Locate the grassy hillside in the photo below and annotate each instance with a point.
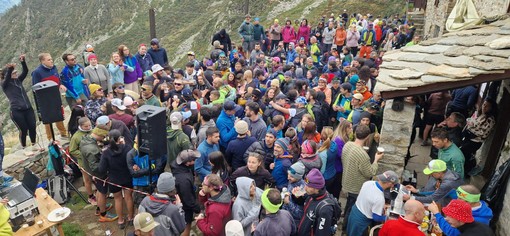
(53, 26)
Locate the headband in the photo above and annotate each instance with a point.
(468, 197)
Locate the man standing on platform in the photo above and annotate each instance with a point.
(44, 72)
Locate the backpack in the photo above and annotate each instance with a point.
(330, 200)
(57, 188)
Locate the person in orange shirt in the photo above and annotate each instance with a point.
(340, 36)
(323, 87)
(362, 89)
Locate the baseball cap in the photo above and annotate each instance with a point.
(128, 101)
(229, 106)
(187, 155)
(102, 120)
(175, 120)
(280, 96)
(358, 96)
(388, 176)
(435, 166)
(144, 222)
(191, 53)
(186, 115)
(301, 100)
(116, 102)
(156, 67)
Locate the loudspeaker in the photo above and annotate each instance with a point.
(48, 102)
(151, 130)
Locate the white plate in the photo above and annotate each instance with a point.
(53, 214)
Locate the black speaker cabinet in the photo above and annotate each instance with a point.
(48, 101)
(151, 130)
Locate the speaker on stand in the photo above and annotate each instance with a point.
(151, 132)
(49, 108)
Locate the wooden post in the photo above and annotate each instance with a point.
(247, 7)
(152, 23)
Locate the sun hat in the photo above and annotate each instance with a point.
(459, 210)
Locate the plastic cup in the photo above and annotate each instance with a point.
(25, 226)
(40, 223)
(380, 150)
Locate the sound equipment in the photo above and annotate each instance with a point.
(151, 130)
(48, 102)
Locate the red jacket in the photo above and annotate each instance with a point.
(378, 33)
(400, 227)
(217, 213)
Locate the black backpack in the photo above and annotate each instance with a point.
(330, 200)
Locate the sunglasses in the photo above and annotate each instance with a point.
(177, 84)
(100, 89)
(120, 87)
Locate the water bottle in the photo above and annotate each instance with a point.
(284, 192)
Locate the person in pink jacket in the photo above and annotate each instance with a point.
(304, 31)
(352, 39)
(288, 34)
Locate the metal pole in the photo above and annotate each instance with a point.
(152, 23)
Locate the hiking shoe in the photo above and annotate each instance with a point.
(122, 225)
(92, 201)
(109, 217)
(108, 207)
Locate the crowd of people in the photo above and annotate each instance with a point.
(266, 133)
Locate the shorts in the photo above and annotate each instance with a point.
(101, 186)
(248, 46)
(432, 119)
(115, 189)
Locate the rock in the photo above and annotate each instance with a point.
(430, 42)
(434, 49)
(405, 74)
(483, 58)
(391, 56)
(400, 65)
(475, 51)
(412, 57)
(476, 40)
(496, 64)
(381, 87)
(500, 43)
(460, 61)
(436, 59)
(429, 79)
(475, 71)
(449, 72)
(454, 51)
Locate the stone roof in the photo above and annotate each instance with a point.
(456, 56)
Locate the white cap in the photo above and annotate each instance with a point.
(116, 102)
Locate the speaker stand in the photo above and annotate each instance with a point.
(59, 171)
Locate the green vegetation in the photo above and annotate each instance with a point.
(72, 229)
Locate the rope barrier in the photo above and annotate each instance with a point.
(97, 178)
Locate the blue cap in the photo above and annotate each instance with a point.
(257, 19)
(301, 100)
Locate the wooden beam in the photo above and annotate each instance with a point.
(500, 133)
(436, 87)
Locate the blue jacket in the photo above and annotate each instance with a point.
(202, 165)
(141, 176)
(464, 98)
(236, 149)
(328, 158)
(158, 56)
(295, 209)
(42, 73)
(145, 61)
(281, 165)
(291, 56)
(72, 79)
(225, 124)
(482, 215)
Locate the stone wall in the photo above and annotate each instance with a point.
(435, 16)
(395, 136)
(36, 163)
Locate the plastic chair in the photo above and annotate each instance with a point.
(373, 230)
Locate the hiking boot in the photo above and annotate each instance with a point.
(109, 217)
(108, 207)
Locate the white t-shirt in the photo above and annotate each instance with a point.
(370, 199)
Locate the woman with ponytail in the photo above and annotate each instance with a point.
(327, 153)
(114, 164)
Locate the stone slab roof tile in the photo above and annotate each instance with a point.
(500, 22)
(476, 40)
(429, 42)
(429, 79)
(400, 65)
(496, 64)
(434, 49)
(455, 51)
(405, 74)
(460, 61)
(474, 51)
(482, 30)
(402, 83)
(449, 71)
(436, 59)
(391, 56)
(381, 86)
(413, 57)
(499, 43)
(474, 71)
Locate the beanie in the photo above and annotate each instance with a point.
(166, 182)
(93, 88)
(284, 143)
(91, 56)
(297, 170)
(234, 228)
(314, 179)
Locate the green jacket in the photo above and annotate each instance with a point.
(74, 145)
(91, 155)
(153, 101)
(176, 141)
